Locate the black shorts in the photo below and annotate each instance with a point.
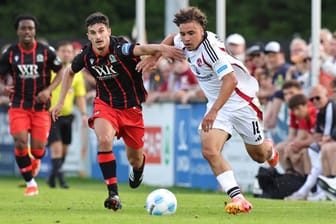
(61, 130)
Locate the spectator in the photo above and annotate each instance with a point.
(323, 141)
(300, 70)
(256, 55)
(293, 152)
(329, 64)
(277, 66)
(333, 89)
(235, 44)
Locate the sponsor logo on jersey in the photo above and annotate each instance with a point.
(28, 71)
(105, 72)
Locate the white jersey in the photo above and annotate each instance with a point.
(210, 63)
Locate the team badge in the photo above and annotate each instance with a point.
(16, 58)
(39, 58)
(91, 61)
(199, 62)
(112, 58)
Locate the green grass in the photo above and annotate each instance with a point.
(83, 203)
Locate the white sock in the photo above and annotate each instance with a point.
(272, 155)
(310, 181)
(227, 180)
(31, 183)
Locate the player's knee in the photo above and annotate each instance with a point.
(259, 156)
(38, 153)
(105, 142)
(208, 153)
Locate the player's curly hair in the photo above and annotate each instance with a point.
(97, 17)
(24, 17)
(190, 14)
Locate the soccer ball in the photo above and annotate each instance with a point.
(161, 202)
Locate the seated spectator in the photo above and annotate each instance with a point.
(323, 142)
(293, 155)
(266, 88)
(289, 88)
(333, 89)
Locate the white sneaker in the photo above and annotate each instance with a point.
(317, 196)
(328, 185)
(296, 196)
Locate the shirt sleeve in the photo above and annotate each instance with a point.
(78, 62)
(4, 63)
(216, 58)
(53, 60)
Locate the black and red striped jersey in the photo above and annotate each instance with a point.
(118, 83)
(31, 72)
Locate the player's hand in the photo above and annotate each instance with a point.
(56, 111)
(8, 90)
(208, 120)
(172, 53)
(147, 64)
(43, 96)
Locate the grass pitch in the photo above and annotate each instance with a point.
(83, 203)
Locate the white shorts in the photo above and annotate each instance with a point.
(244, 121)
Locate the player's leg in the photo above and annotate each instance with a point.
(66, 136)
(137, 159)
(40, 127)
(55, 148)
(247, 124)
(212, 145)
(19, 122)
(105, 134)
(133, 132)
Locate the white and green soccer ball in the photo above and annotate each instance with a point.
(161, 202)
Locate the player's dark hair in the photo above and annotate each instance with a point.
(190, 14)
(297, 100)
(95, 18)
(25, 17)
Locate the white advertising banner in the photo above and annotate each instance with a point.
(159, 141)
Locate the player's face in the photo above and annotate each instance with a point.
(26, 31)
(99, 35)
(191, 34)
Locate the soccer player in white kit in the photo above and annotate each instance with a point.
(230, 91)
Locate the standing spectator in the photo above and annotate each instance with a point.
(29, 63)
(60, 136)
(329, 64)
(236, 46)
(277, 66)
(120, 91)
(300, 70)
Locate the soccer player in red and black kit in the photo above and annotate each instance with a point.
(29, 63)
(120, 91)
